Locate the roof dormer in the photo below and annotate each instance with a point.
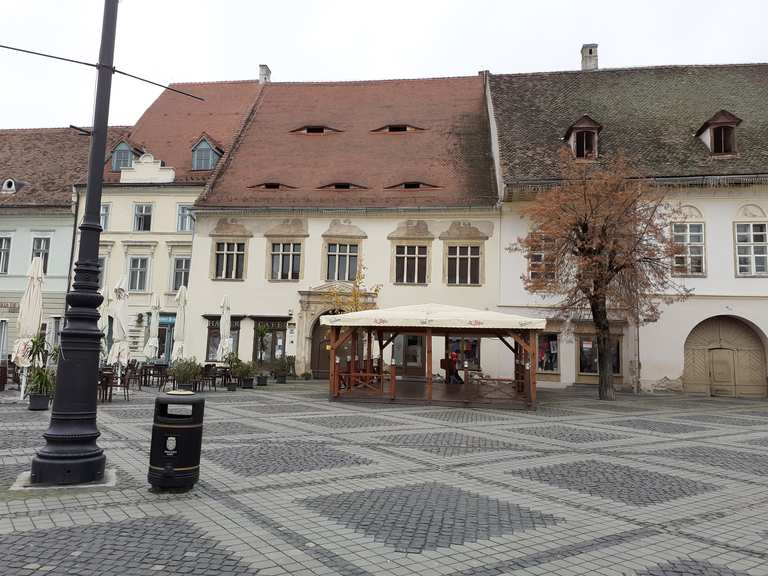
(581, 136)
(411, 185)
(315, 129)
(123, 155)
(397, 128)
(205, 153)
(719, 133)
(342, 186)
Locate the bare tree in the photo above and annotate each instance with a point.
(601, 240)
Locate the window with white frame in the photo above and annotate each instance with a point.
(122, 157)
(142, 217)
(464, 265)
(286, 261)
(41, 247)
(181, 266)
(751, 249)
(184, 220)
(229, 260)
(342, 261)
(411, 264)
(690, 238)
(104, 216)
(204, 157)
(5, 253)
(138, 273)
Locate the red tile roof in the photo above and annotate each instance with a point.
(48, 160)
(174, 123)
(452, 152)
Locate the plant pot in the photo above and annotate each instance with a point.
(184, 386)
(261, 380)
(38, 402)
(246, 383)
(280, 379)
(231, 386)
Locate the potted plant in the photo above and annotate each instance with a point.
(41, 381)
(185, 371)
(244, 372)
(281, 369)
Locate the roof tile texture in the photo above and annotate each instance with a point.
(451, 153)
(651, 114)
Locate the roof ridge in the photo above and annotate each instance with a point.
(200, 82)
(632, 68)
(59, 128)
(329, 82)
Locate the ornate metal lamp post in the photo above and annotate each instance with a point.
(71, 454)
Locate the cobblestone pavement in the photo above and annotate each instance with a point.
(659, 485)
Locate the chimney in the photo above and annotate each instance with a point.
(589, 57)
(264, 74)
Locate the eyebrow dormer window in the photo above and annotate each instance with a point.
(719, 133)
(397, 128)
(204, 156)
(582, 138)
(342, 186)
(316, 129)
(411, 185)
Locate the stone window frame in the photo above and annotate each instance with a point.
(36, 235)
(358, 240)
(148, 272)
(687, 244)
(268, 256)
(468, 242)
(592, 336)
(189, 216)
(104, 215)
(172, 279)
(134, 217)
(752, 244)
(393, 259)
(7, 251)
(226, 239)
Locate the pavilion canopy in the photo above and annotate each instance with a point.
(435, 316)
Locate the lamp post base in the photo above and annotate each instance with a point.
(69, 467)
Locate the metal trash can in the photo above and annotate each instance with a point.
(177, 436)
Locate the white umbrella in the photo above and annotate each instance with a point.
(118, 353)
(150, 348)
(178, 331)
(224, 326)
(30, 317)
(103, 326)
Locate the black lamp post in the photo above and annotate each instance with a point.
(71, 454)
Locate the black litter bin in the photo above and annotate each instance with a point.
(177, 436)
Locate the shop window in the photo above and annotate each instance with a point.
(548, 353)
(214, 337)
(588, 355)
(468, 350)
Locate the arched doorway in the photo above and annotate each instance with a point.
(724, 356)
(320, 358)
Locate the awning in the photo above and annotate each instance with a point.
(435, 316)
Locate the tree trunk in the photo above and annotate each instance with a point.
(604, 350)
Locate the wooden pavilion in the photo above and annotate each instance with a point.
(355, 374)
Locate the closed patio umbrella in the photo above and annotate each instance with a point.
(178, 332)
(224, 330)
(118, 353)
(150, 348)
(103, 326)
(29, 319)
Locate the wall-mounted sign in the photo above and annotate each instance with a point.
(9, 307)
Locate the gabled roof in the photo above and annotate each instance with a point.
(652, 114)
(452, 151)
(174, 123)
(49, 161)
(585, 122)
(721, 118)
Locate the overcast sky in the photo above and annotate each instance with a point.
(190, 40)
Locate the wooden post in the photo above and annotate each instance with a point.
(429, 364)
(332, 382)
(369, 363)
(353, 363)
(392, 380)
(532, 357)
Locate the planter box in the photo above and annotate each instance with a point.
(38, 402)
(261, 380)
(232, 386)
(246, 383)
(184, 386)
(280, 379)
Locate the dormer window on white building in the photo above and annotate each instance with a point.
(719, 133)
(204, 155)
(122, 157)
(582, 137)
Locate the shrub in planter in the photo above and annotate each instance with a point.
(306, 375)
(281, 369)
(185, 371)
(41, 378)
(244, 372)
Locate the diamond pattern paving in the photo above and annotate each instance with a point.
(345, 421)
(727, 420)
(277, 457)
(22, 438)
(130, 547)
(709, 456)
(229, 428)
(690, 568)
(657, 426)
(448, 443)
(626, 484)
(461, 416)
(426, 516)
(569, 434)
